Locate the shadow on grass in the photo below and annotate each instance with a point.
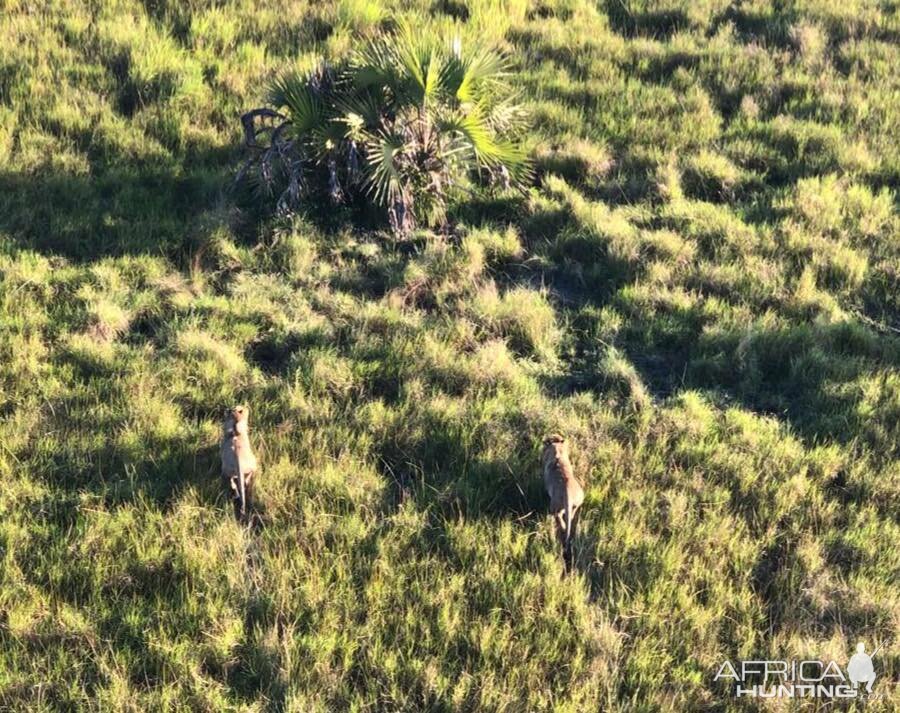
(124, 205)
(660, 25)
(809, 374)
(458, 482)
(805, 374)
(80, 478)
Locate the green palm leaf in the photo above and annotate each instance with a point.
(472, 128)
(384, 180)
(304, 105)
(419, 67)
(359, 112)
(407, 120)
(479, 74)
(375, 66)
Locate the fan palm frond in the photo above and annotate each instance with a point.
(478, 73)
(506, 116)
(472, 128)
(304, 103)
(419, 66)
(375, 65)
(384, 180)
(326, 137)
(360, 110)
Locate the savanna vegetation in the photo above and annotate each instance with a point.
(404, 124)
(699, 286)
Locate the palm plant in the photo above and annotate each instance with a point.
(405, 122)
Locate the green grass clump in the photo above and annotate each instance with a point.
(699, 288)
(524, 316)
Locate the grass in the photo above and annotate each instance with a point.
(700, 290)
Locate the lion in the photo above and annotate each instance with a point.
(239, 464)
(566, 493)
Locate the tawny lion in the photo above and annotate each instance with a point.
(566, 493)
(238, 462)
